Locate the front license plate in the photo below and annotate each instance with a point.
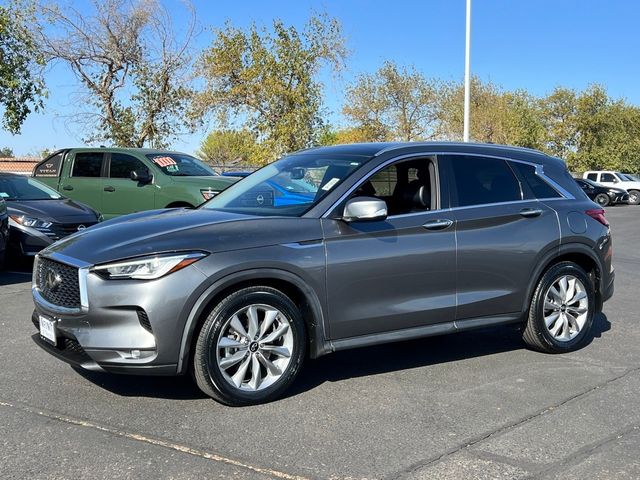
(48, 329)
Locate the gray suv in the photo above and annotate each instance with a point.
(370, 243)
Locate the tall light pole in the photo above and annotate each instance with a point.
(467, 77)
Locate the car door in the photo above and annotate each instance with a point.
(609, 180)
(82, 178)
(502, 231)
(396, 273)
(120, 194)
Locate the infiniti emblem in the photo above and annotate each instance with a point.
(260, 199)
(52, 280)
(81, 227)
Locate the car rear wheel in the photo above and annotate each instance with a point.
(561, 311)
(602, 199)
(634, 197)
(250, 348)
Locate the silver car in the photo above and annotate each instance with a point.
(385, 242)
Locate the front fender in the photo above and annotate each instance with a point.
(316, 325)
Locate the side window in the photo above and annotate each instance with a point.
(87, 164)
(593, 177)
(50, 167)
(608, 177)
(122, 165)
(538, 186)
(384, 182)
(482, 180)
(405, 186)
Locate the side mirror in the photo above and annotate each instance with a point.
(364, 209)
(141, 176)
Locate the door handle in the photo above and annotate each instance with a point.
(67, 187)
(439, 224)
(109, 189)
(531, 212)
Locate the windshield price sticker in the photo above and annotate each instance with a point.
(330, 184)
(164, 161)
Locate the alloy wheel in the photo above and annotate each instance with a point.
(255, 347)
(566, 308)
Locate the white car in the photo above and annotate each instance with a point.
(609, 178)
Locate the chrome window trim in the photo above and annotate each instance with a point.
(83, 272)
(539, 171)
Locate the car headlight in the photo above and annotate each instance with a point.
(29, 221)
(148, 268)
(208, 194)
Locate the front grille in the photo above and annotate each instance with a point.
(58, 283)
(56, 231)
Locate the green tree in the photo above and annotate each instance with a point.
(6, 152)
(21, 85)
(513, 118)
(267, 80)
(559, 118)
(134, 68)
(232, 147)
(395, 103)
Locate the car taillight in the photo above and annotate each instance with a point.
(598, 215)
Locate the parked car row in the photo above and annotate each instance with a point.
(612, 179)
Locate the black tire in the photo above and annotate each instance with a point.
(602, 199)
(634, 197)
(535, 333)
(208, 375)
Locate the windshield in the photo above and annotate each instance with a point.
(25, 188)
(180, 165)
(631, 177)
(288, 187)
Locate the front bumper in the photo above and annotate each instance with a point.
(123, 326)
(620, 198)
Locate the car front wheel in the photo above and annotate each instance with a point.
(250, 347)
(602, 199)
(561, 311)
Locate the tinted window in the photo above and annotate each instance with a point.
(593, 176)
(122, 165)
(607, 177)
(538, 186)
(480, 180)
(87, 164)
(50, 167)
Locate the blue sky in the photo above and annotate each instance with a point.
(536, 45)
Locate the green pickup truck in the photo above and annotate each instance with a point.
(117, 181)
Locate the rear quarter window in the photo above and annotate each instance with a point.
(538, 187)
(50, 167)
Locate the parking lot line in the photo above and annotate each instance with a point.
(152, 441)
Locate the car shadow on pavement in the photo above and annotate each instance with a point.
(418, 353)
(347, 364)
(170, 388)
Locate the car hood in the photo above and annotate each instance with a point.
(168, 230)
(62, 210)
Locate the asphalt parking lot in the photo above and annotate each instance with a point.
(472, 405)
